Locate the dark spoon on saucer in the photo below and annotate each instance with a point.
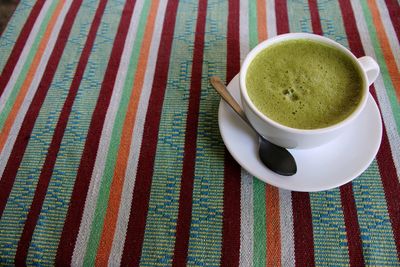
(275, 158)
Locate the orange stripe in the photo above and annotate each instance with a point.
(261, 20)
(111, 217)
(273, 254)
(29, 77)
(273, 233)
(387, 51)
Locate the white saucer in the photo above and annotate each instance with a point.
(322, 168)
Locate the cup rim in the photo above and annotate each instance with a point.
(299, 36)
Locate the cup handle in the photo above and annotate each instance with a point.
(370, 67)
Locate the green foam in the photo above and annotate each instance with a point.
(304, 84)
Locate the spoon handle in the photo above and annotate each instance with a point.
(282, 162)
(219, 86)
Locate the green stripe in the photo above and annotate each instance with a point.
(260, 224)
(164, 195)
(376, 230)
(13, 29)
(22, 76)
(208, 188)
(259, 202)
(394, 101)
(253, 32)
(104, 192)
(48, 230)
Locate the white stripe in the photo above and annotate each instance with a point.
(130, 175)
(105, 139)
(246, 220)
(32, 89)
(246, 184)
(271, 19)
(244, 29)
(24, 55)
(390, 32)
(286, 223)
(383, 98)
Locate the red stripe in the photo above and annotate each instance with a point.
(21, 142)
(233, 41)
(356, 255)
(303, 229)
(79, 193)
(353, 232)
(231, 215)
(391, 186)
(394, 13)
(19, 45)
(315, 19)
(230, 250)
(47, 169)
(189, 159)
(387, 169)
(141, 194)
(282, 20)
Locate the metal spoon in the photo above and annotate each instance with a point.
(276, 158)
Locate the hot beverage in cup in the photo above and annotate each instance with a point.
(302, 90)
(304, 84)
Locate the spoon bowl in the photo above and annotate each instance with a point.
(275, 158)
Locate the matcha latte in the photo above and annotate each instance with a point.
(304, 84)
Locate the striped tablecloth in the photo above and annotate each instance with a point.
(111, 152)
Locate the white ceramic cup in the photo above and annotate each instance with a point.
(288, 137)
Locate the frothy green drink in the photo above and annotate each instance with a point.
(304, 84)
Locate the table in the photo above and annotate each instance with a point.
(111, 152)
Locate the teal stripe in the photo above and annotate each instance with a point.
(394, 101)
(208, 188)
(330, 240)
(13, 29)
(253, 32)
(330, 237)
(164, 195)
(330, 245)
(376, 229)
(104, 192)
(260, 224)
(332, 22)
(22, 76)
(299, 16)
(50, 224)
